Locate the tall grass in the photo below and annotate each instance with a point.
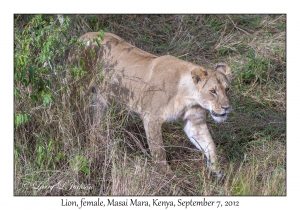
(61, 149)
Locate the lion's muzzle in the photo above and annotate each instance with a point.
(218, 115)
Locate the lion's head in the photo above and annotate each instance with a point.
(213, 90)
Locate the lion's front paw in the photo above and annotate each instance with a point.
(218, 175)
(214, 171)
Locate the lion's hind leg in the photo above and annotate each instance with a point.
(98, 102)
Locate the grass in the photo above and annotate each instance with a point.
(60, 145)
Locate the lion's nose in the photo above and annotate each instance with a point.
(225, 107)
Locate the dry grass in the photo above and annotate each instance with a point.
(62, 144)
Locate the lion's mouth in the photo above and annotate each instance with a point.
(218, 115)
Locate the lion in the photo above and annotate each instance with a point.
(159, 89)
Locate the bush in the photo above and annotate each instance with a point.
(40, 46)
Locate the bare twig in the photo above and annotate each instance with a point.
(238, 28)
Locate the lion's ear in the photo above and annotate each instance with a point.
(198, 74)
(224, 68)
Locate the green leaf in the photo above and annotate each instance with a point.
(26, 47)
(98, 43)
(34, 97)
(50, 146)
(92, 51)
(25, 118)
(101, 34)
(30, 73)
(85, 169)
(42, 58)
(47, 46)
(40, 149)
(46, 99)
(39, 155)
(59, 157)
(17, 93)
(21, 119)
(16, 154)
(20, 59)
(65, 34)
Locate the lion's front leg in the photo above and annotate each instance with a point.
(199, 135)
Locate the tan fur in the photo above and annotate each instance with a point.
(159, 89)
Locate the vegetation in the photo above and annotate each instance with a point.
(57, 146)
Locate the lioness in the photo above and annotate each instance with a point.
(159, 89)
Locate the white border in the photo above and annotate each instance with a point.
(153, 6)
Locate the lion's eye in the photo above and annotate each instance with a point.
(213, 92)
